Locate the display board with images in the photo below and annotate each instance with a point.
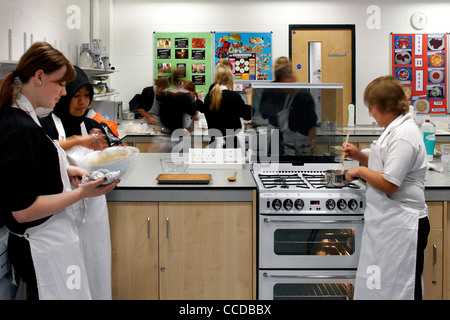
(250, 53)
(419, 63)
(186, 54)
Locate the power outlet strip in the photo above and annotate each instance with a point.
(207, 158)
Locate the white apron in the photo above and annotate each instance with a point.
(91, 217)
(387, 264)
(55, 248)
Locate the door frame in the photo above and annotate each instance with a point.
(350, 27)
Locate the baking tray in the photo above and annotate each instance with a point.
(181, 178)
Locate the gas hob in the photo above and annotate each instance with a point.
(288, 189)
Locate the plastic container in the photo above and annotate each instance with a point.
(429, 138)
(351, 115)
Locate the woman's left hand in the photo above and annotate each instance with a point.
(96, 140)
(352, 174)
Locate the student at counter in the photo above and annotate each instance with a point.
(37, 195)
(150, 100)
(80, 135)
(396, 224)
(224, 108)
(291, 111)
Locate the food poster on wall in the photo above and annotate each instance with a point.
(419, 62)
(249, 53)
(186, 56)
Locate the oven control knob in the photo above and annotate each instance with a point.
(299, 204)
(276, 204)
(288, 204)
(330, 204)
(353, 204)
(341, 204)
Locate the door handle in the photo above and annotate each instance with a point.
(148, 227)
(434, 254)
(313, 221)
(167, 227)
(316, 277)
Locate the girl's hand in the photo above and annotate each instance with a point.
(76, 174)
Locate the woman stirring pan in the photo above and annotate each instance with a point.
(37, 196)
(396, 218)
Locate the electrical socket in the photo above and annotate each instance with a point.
(230, 155)
(209, 155)
(197, 155)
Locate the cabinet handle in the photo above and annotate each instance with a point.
(167, 227)
(434, 254)
(148, 227)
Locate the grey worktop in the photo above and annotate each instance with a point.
(140, 184)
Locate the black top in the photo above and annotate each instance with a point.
(232, 108)
(30, 167)
(146, 98)
(302, 114)
(173, 106)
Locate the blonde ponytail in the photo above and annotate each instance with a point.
(216, 94)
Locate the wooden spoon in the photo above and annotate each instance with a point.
(233, 178)
(343, 152)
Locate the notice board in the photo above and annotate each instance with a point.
(250, 53)
(419, 62)
(187, 53)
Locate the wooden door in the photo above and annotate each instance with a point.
(337, 57)
(134, 244)
(206, 250)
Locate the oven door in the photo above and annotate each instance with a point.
(306, 284)
(304, 242)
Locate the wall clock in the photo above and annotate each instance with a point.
(419, 20)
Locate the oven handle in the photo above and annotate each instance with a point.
(314, 221)
(266, 275)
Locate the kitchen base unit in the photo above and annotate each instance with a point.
(183, 250)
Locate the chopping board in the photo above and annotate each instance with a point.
(181, 178)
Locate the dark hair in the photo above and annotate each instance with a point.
(40, 56)
(387, 94)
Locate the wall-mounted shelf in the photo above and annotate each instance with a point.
(8, 65)
(94, 72)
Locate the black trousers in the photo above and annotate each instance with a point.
(422, 240)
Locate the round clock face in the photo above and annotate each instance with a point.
(419, 20)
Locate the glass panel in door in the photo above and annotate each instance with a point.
(313, 242)
(313, 291)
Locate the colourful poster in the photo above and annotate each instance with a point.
(249, 53)
(419, 62)
(187, 55)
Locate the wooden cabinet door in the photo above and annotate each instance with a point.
(134, 243)
(206, 250)
(433, 267)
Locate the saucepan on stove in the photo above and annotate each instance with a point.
(335, 178)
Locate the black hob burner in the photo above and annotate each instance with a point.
(284, 181)
(317, 181)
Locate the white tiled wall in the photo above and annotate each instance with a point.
(38, 20)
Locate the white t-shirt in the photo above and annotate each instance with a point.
(405, 162)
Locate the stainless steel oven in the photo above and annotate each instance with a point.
(306, 284)
(319, 242)
(309, 233)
